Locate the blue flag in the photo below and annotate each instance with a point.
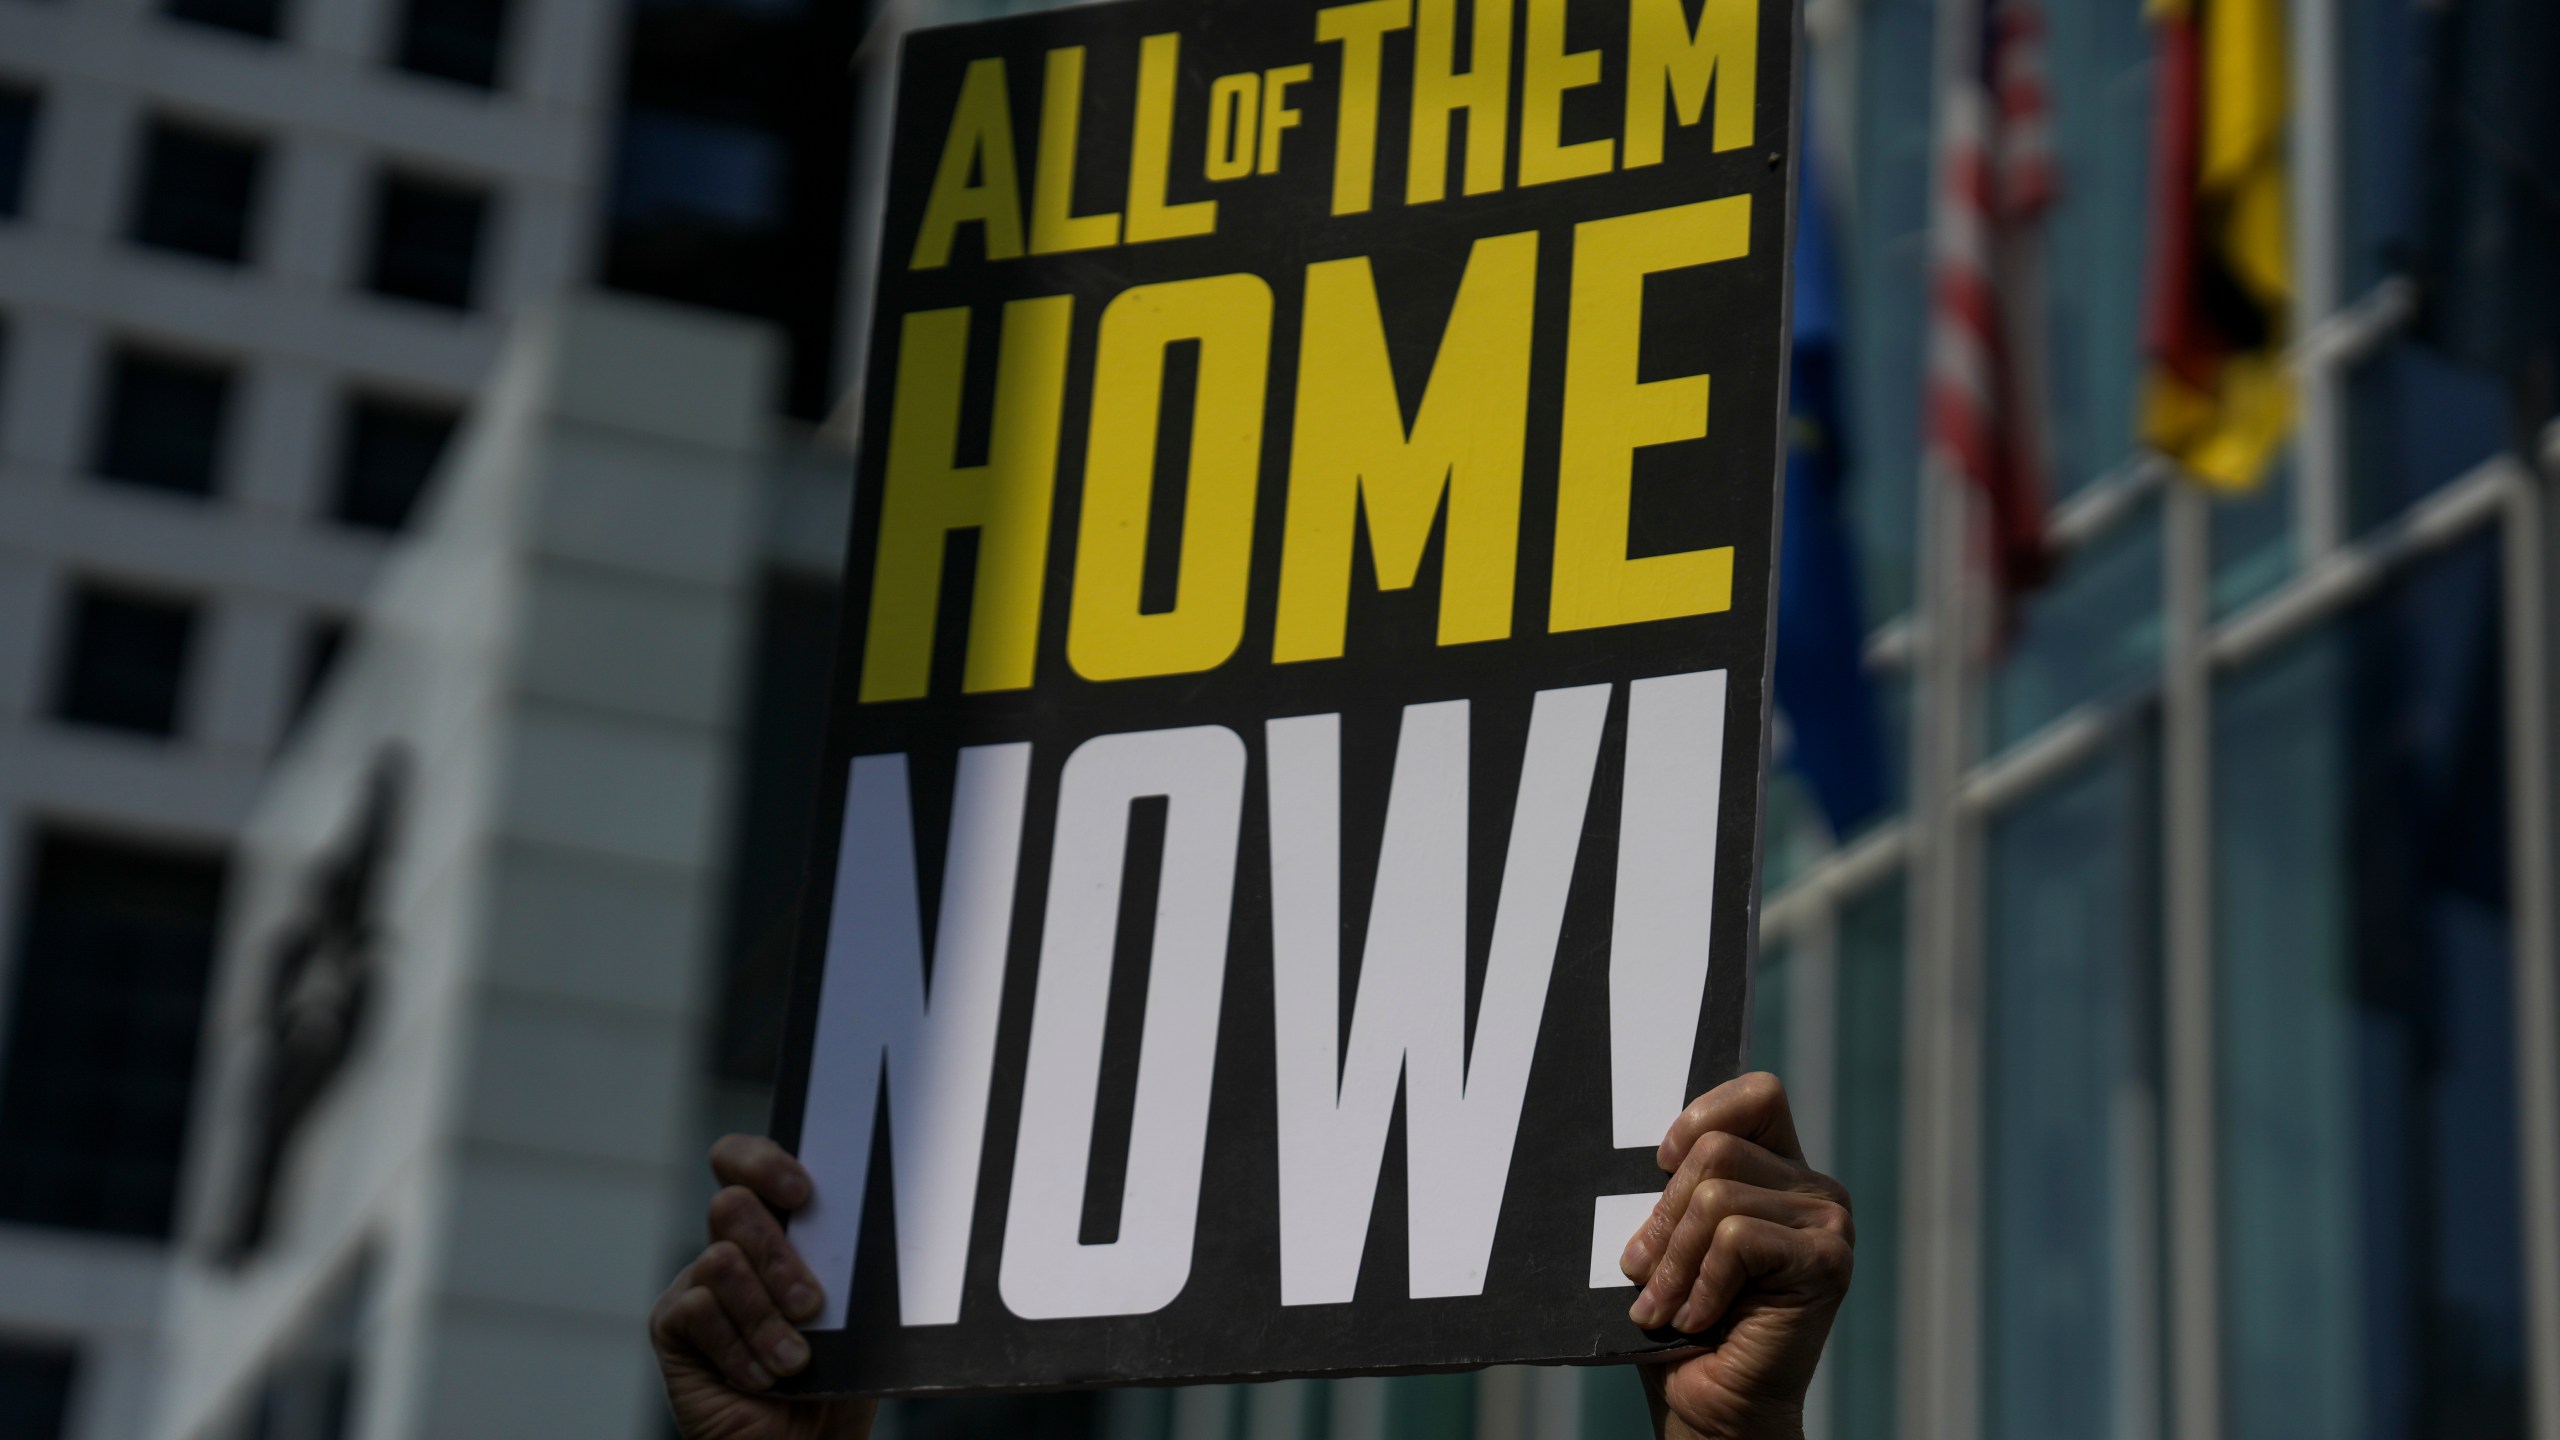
(1823, 689)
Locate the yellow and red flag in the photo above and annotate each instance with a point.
(2216, 396)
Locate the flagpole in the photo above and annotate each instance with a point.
(1941, 1291)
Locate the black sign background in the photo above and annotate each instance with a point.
(1727, 320)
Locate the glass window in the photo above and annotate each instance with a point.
(2371, 1264)
(463, 41)
(2072, 1099)
(2253, 538)
(124, 661)
(2415, 424)
(263, 19)
(426, 240)
(683, 169)
(2093, 634)
(163, 420)
(732, 155)
(1885, 264)
(35, 1391)
(2100, 65)
(18, 111)
(197, 192)
(386, 454)
(113, 954)
(1864, 1353)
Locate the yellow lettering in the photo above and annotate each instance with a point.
(1109, 637)
(1548, 70)
(1151, 151)
(1609, 415)
(1664, 54)
(1006, 500)
(1484, 92)
(1351, 451)
(1235, 108)
(980, 144)
(1277, 118)
(1055, 228)
(1361, 32)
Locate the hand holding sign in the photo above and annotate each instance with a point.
(1749, 1247)
(723, 1331)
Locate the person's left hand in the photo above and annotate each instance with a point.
(1749, 1250)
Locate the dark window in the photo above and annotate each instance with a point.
(124, 662)
(35, 1391)
(731, 158)
(386, 455)
(261, 18)
(17, 147)
(426, 240)
(163, 421)
(112, 960)
(459, 40)
(196, 193)
(322, 644)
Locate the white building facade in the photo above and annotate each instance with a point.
(255, 259)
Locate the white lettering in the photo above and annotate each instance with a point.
(1410, 1013)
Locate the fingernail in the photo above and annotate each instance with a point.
(795, 1191)
(758, 1377)
(1687, 1322)
(790, 1353)
(1646, 1312)
(1631, 1259)
(802, 1301)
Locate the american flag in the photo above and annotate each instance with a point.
(1986, 346)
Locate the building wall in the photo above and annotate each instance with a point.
(501, 1160)
(259, 559)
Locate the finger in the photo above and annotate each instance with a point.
(1749, 1250)
(1751, 1106)
(726, 1272)
(764, 1167)
(739, 1217)
(1717, 1155)
(1706, 1209)
(690, 1323)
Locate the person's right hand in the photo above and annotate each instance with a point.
(724, 1330)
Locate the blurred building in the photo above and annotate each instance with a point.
(2186, 1029)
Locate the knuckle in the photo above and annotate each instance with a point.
(734, 1206)
(1830, 1257)
(1718, 1152)
(725, 1262)
(1713, 1197)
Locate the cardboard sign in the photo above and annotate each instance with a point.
(1294, 781)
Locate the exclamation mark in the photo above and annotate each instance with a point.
(1658, 949)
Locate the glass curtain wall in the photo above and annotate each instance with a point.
(2340, 643)
(2374, 1281)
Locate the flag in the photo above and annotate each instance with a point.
(2486, 192)
(1834, 741)
(2216, 398)
(1987, 322)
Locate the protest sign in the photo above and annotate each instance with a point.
(1292, 793)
